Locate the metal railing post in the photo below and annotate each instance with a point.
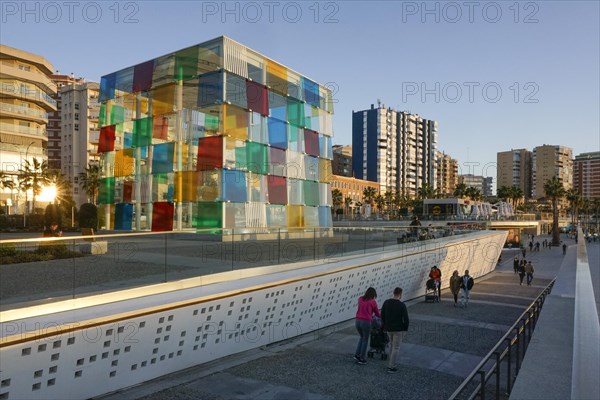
(509, 367)
(497, 354)
(518, 352)
(482, 389)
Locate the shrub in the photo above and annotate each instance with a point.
(52, 215)
(88, 216)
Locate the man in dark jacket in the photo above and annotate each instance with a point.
(395, 320)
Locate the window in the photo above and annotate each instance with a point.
(76, 127)
(76, 116)
(24, 67)
(76, 106)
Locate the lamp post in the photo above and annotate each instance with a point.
(26, 210)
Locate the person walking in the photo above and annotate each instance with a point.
(529, 272)
(367, 306)
(564, 249)
(436, 275)
(466, 285)
(395, 321)
(521, 271)
(531, 246)
(455, 286)
(516, 264)
(523, 251)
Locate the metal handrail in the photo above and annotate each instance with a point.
(527, 319)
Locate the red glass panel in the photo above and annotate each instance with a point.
(210, 153)
(162, 216)
(142, 76)
(311, 142)
(107, 139)
(159, 130)
(277, 189)
(258, 100)
(127, 191)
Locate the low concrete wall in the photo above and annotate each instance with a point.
(86, 352)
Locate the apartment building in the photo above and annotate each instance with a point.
(586, 174)
(549, 161)
(514, 169)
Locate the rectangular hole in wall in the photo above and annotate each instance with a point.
(51, 382)
(78, 374)
(36, 386)
(26, 351)
(52, 370)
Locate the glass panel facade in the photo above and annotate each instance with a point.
(222, 138)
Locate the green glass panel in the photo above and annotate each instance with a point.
(186, 63)
(311, 193)
(207, 215)
(117, 114)
(142, 132)
(106, 193)
(211, 122)
(295, 111)
(102, 115)
(257, 158)
(241, 161)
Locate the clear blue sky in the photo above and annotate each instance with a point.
(543, 56)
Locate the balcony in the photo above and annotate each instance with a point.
(23, 112)
(12, 89)
(36, 78)
(38, 132)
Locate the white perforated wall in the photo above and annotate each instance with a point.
(89, 362)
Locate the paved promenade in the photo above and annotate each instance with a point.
(440, 349)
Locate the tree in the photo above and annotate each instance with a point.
(33, 176)
(503, 193)
(90, 181)
(515, 194)
(369, 194)
(379, 201)
(425, 192)
(347, 203)
(336, 198)
(575, 202)
(388, 196)
(554, 191)
(6, 181)
(473, 193)
(460, 190)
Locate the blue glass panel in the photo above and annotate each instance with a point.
(276, 215)
(123, 216)
(325, 216)
(235, 90)
(325, 147)
(234, 186)
(162, 158)
(311, 92)
(277, 133)
(210, 89)
(107, 87)
(277, 106)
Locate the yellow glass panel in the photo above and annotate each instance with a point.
(124, 162)
(186, 186)
(163, 99)
(325, 171)
(236, 122)
(295, 216)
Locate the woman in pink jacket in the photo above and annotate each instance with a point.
(367, 306)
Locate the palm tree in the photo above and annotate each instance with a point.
(515, 194)
(574, 199)
(33, 176)
(90, 181)
(554, 191)
(425, 192)
(347, 203)
(369, 194)
(460, 190)
(379, 201)
(473, 193)
(388, 196)
(6, 181)
(336, 198)
(503, 193)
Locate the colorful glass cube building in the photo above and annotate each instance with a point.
(214, 136)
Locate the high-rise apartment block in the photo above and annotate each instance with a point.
(586, 175)
(54, 121)
(25, 100)
(395, 149)
(215, 136)
(514, 169)
(550, 161)
(481, 183)
(80, 134)
(447, 173)
(342, 160)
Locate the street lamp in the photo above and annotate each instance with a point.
(26, 210)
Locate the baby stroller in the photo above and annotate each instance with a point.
(379, 339)
(431, 291)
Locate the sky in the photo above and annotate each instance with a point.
(495, 75)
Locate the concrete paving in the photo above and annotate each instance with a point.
(442, 346)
